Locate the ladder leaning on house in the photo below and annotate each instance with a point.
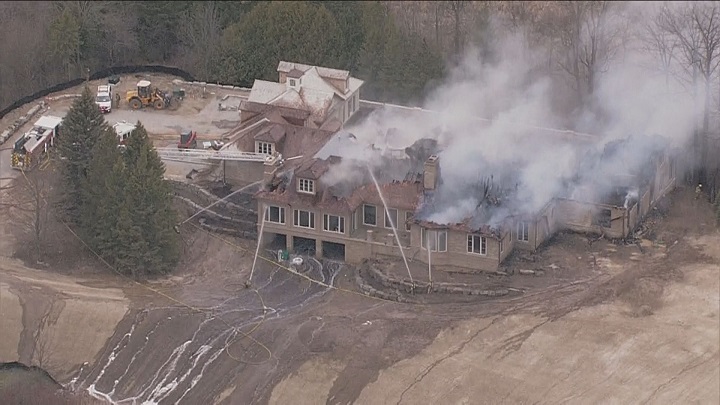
(192, 155)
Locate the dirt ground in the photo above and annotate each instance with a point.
(645, 330)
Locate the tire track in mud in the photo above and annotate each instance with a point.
(168, 350)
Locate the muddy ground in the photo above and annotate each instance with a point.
(646, 330)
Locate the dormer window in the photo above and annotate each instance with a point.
(293, 82)
(264, 147)
(306, 186)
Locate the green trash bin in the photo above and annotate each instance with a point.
(285, 255)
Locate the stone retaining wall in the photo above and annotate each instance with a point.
(423, 287)
(367, 289)
(15, 126)
(228, 231)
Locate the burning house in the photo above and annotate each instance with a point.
(306, 209)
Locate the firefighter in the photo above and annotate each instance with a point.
(698, 191)
(117, 100)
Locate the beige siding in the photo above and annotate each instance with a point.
(457, 254)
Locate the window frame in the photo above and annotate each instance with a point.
(309, 183)
(297, 218)
(264, 147)
(281, 215)
(523, 231)
(408, 217)
(364, 217)
(483, 245)
(437, 239)
(385, 218)
(340, 221)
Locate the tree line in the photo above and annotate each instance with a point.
(117, 197)
(228, 42)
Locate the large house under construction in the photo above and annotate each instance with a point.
(349, 221)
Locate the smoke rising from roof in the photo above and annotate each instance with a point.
(493, 118)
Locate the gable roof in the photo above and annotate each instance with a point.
(329, 73)
(271, 133)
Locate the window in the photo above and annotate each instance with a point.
(408, 217)
(292, 83)
(603, 218)
(305, 219)
(369, 215)
(265, 147)
(275, 214)
(501, 246)
(477, 244)
(393, 216)
(306, 186)
(435, 240)
(523, 233)
(334, 223)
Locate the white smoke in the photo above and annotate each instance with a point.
(517, 144)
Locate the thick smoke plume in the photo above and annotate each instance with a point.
(494, 118)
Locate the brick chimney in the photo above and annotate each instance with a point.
(272, 164)
(431, 173)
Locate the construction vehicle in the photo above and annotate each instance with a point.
(188, 140)
(30, 149)
(146, 95)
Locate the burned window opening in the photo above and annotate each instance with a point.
(369, 215)
(603, 218)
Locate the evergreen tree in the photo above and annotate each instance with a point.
(82, 127)
(104, 190)
(274, 31)
(147, 218)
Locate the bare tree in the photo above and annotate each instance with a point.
(586, 35)
(32, 204)
(660, 43)
(457, 8)
(695, 27)
(201, 35)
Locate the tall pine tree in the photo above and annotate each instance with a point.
(147, 219)
(82, 127)
(104, 192)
